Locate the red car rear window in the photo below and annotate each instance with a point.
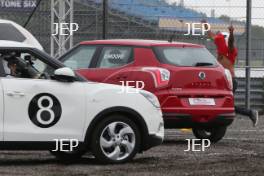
(185, 56)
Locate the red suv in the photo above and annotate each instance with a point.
(194, 90)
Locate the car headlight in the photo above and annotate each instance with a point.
(151, 98)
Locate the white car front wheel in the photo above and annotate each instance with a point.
(116, 140)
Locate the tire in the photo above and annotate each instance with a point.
(68, 157)
(213, 134)
(116, 139)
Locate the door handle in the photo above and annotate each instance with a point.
(15, 93)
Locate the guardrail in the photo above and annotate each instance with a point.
(256, 88)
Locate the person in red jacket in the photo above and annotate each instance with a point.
(226, 55)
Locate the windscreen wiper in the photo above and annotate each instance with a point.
(201, 64)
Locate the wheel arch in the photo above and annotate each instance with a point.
(128, 112)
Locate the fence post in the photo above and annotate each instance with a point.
(248, 52)
(105, 18)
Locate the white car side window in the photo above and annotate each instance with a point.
(23, 64)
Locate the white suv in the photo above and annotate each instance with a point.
(46, 106)
(9, 30)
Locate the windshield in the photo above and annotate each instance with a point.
(185, 56)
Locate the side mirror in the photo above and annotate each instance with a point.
(64, 74)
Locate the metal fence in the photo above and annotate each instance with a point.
(149, 19)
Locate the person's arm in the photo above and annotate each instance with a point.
(210, 34)
(231, 38)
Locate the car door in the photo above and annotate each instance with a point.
(112, 63)
(108, 64)
(42, 109)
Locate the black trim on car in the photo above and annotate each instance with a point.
(152, 141)
(173, 120)
(156, 54)
(31, 145)
(95, 56)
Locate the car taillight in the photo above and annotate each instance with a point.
(229, 79)
(161, 76)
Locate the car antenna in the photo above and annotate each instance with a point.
(172, 37)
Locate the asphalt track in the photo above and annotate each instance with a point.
(240, 153)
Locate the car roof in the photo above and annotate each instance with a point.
(13, 44)
(4, 21)
(29, 38)
(139, 42)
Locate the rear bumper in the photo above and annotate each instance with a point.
(173, 120)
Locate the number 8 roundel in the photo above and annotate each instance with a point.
(44, 110)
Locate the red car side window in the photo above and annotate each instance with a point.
(114, 56)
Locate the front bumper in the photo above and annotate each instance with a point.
(152, 141)
(173, 120)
